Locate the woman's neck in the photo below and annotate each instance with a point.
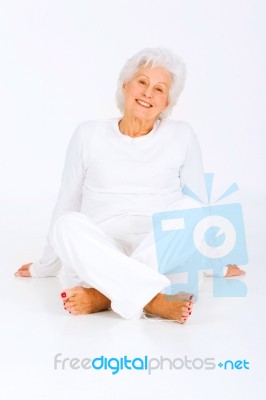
(135, 127)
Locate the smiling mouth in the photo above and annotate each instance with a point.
(144, 103)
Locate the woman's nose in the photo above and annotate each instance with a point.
(148, 92)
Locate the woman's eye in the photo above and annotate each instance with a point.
(142, 82)
(159, 89)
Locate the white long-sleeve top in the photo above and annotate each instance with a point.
(109, 176)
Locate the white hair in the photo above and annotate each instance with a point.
(154, 57)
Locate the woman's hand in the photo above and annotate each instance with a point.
(23, 271)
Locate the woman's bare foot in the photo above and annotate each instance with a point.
(234, 270)
(176, 307)
(80, 300)
(24, 271)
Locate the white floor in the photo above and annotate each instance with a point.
(35, 327)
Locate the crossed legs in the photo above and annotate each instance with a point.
(112, 278)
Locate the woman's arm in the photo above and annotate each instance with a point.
(191, 173)
(192, 176)
(69, 199)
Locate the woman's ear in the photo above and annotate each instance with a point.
(124, 86)
(167, 103)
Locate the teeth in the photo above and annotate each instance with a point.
(143, 103)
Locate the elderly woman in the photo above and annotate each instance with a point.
(117, 173)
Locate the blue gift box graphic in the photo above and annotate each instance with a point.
(208, 237)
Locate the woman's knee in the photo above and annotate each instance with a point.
(64, 224)
(65, 220)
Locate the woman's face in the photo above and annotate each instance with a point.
(146, 93)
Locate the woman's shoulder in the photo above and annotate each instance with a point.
(91, 130)
(176, 128)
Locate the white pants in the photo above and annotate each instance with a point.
(123, 269)
(109, 257)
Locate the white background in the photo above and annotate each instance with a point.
(59, 63)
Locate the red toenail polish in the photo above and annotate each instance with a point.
(63, 295)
